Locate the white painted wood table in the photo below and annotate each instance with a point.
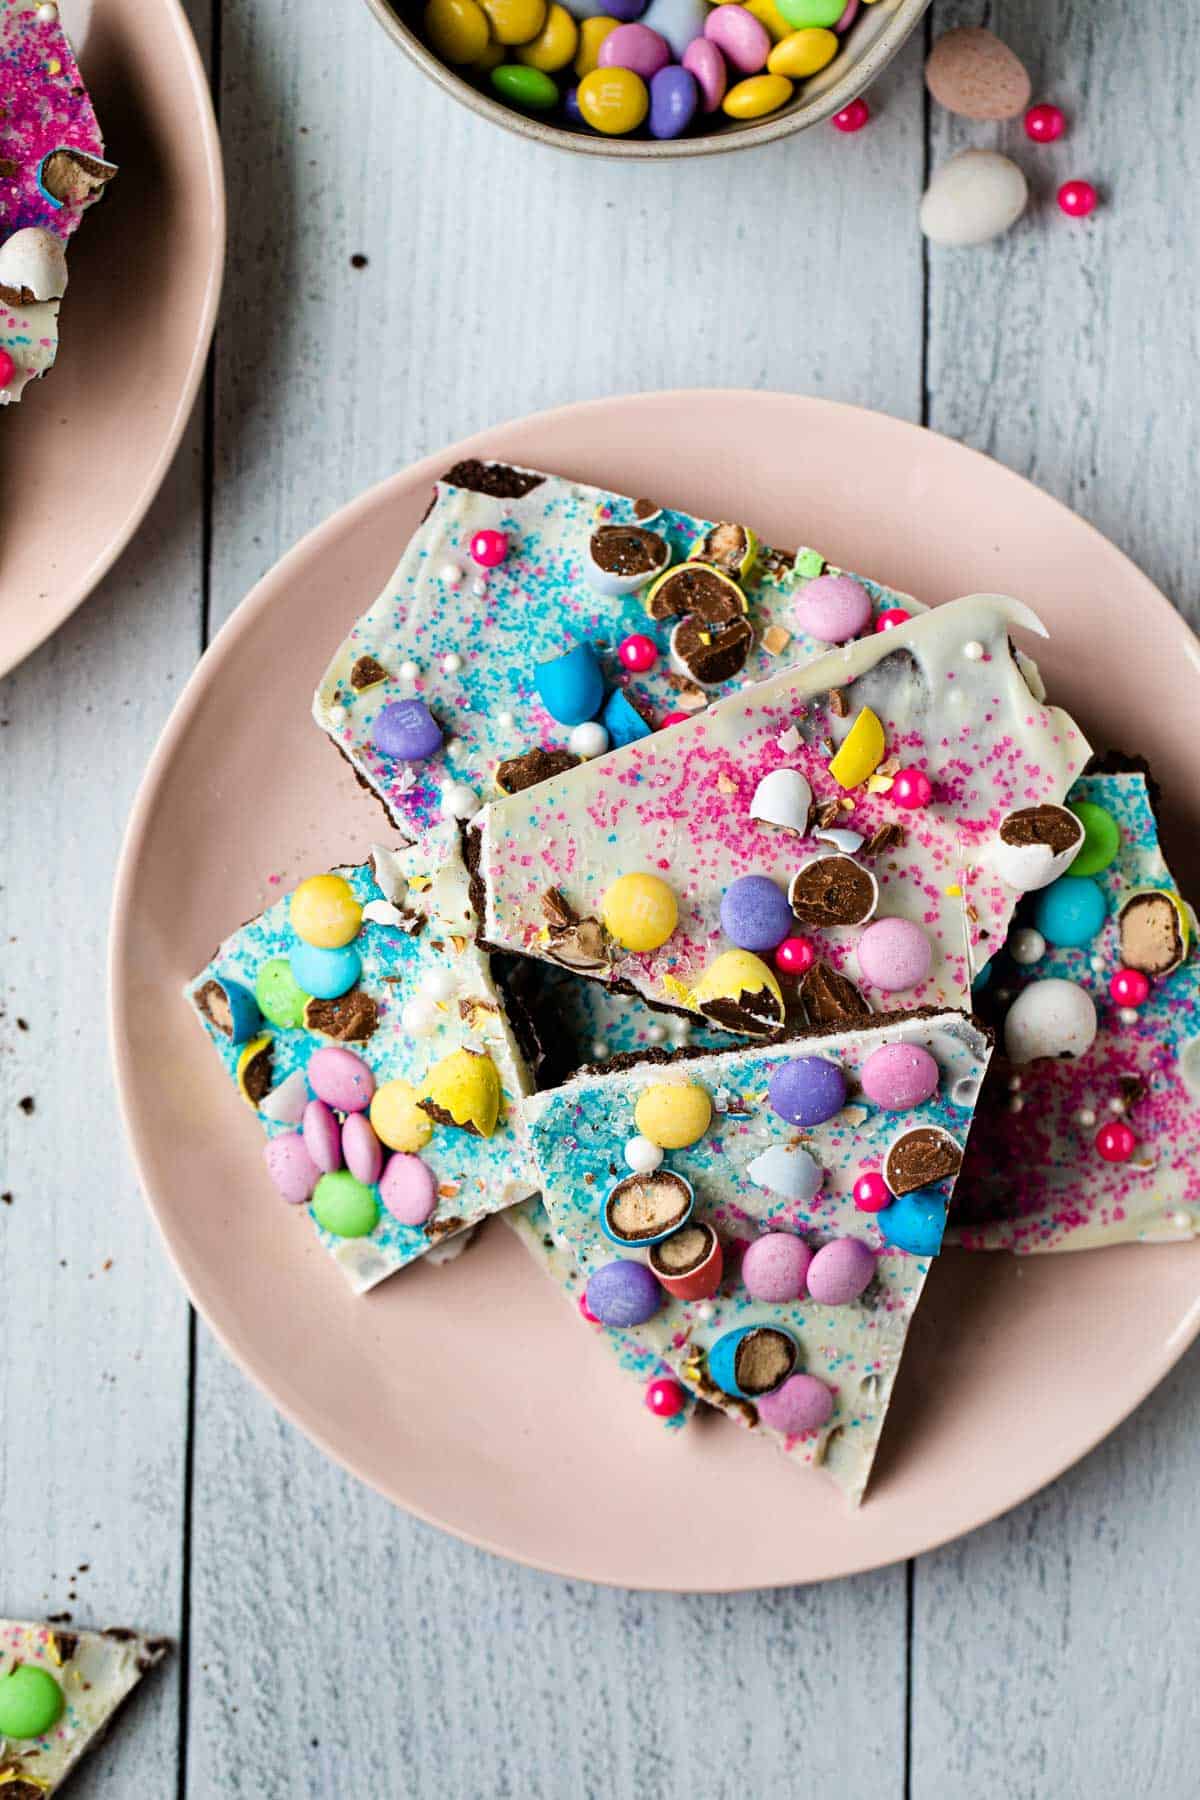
(329, 1645)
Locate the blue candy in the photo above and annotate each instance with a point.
(679, 21)
(325, 974)
(755, 913)
(623, 1293)
(641, 1242)
(571, 687)
(1071, 911)
(674, 98)
(915, 1222)
(406, 729)
(722, 1360)
(244, 1016)
(622, 721)
(807, 1090)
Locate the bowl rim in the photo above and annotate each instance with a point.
(738, 136)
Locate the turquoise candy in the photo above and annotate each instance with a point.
(622, 721)
(915, 1222)
(1071, 911)
(722, 1359)
(571, 687)
(325, 974)
(244, 1016)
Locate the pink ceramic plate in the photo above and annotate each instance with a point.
(84, 452)
(470, 1394)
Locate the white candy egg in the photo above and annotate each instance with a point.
(419, 1016)
(783, 798)
(1050, 1018)
(792, 1174)
(973, 197)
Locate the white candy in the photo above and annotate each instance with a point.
(285, 1104)
(439, 984)
(974, 197)
(451, 663)
(505, 719)
(419, 1016)
(588, 739)
(642, 1156)
(451, 574)
(47, 13)
(783, 798)
(34, 258)
(792, 1174)
(973, 650)
(656, 1034)
(599, 1050)
(382, 912)
(459, 800)
(1085, 1116)
(1027, 946)
(1050, 1018)
(409, 671)
(479, 587)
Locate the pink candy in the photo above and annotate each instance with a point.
(1129, 987)
(890, 617)
(407, 1188)
(743, 40)
(840, 1271)
(802, 1404)
(871, 1192)
(489, 548)
(341, 1079)
(634, 47)
(637, 653)
(894, 954)
(833, 608)
(775, 1265)
(8, 368)
(703, 60)
(290, 1167)
(897, 1076)
(912, 789)
(665, 1398)
(361, 1149)
(322, 1137)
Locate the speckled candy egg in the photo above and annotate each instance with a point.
(973, 197)
(634, 47)
(807, 1090)
(972, 73)
(834, 608)
(840, 1271)
(340, 1078)
(1050, 1018)
(899, 1076)
(407, 730)
(292, 1170)
(571, 687)
(894, 954)
(775, 1266)
(623, 1293)
(755, 913)
(742, 39)
(703, 60)
(408, 1189)
(802, 1404)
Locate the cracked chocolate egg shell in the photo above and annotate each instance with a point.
(711, 654)
(1154, 932)
(832, 891)
(696, 590)
(731, 548)
(689, 1263)
(623, 558)
(645, 1209)
(70, 177)
(1035, 845)
(739, 992)
(229, 1008)
(752, 1360)
(784, 797)
(463, 1089)
(921, 1158)
(254, 1069)
(33, 266)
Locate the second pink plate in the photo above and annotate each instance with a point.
(471, 1394)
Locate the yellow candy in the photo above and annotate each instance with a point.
(456, 29)
(803, 52)
(613, 100)
(592, 33)
(324, 912)
(515, 21)
(861, 752)
(466, 1086)
(673, 1114)
(398, 1120)
(742, 980)
(639, 910)
(554, 45)
(254, 1069)
(489, 58)
(768, 14)
(757, 96)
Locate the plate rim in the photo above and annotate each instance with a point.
(120, 958)
(74, 595)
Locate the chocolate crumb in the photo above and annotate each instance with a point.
(495, 479)
(67, 1643)
(358, 260)
(521, 772)
(367, 672)
(839, 706)
(350, 1019)
(827, 814)
(830, 998)
(26, 1104)
(6, 1197)
(886, 837)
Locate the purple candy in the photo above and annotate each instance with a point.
(807, 1090)
(802, 1404)
(833, 608)
(322, 1136)
(623, 10)
(634, 47)
(361, 1149)
(840, 1271)
(754, 912)
(570, 106)
(291, 1168)
(703, 60)
(898, 1076)
(341, 1079)
(407, 730)
(623, 1293)
(674, 98)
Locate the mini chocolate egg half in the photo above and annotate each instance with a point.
(833, 890)
(731, 548)
(623, 558)
(1035, 845)
(689, 1262)
(752, 1360)
(229, 1008)
(921, 1158)
(642, 1210)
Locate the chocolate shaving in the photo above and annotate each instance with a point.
(437, 1229)
(886, 837)
(72, 176)
(826, 814)
(830, 998)
(352, 1018)
(839, 706)
(575, 942)
(833, 890)
(521, 772)
(367, 672)
(1131, 1089)
(1051, 825)
(497, 480)
(920, 1158)
(711, 654)
(557, 910)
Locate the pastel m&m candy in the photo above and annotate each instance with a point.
(840, 1271)
(900, 1076)
(408, 1189)
(757, 96)
(532, 89)
(775, 1266)
(325, 974)
(703, 60)
(362, 1152)
(755, 913)
(407, 730)
(805, 14)
(31, 1702)
(640, 912)
(894, 954)
(592, 33)
(1071, 911)
(739, 36)
(673, 1114)
(802, 1404)
(634, 47)
(456, 29)
(340, 1078)
(552, 49)
(674, 98)
(613, 101)
(802, 53)
(1101, 838)
(322, 1136)
(623, 1293)
(292, 1170)
(834, 608)
(397, 1119)
(344, 1206)
(807, 1090)
(323, 911)
(279, 996)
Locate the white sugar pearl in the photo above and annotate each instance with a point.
(439, 984)
(1015, 1084)
(705, 1311)
(1182, 1221)
(1017, 1103)
(656, 1034)
(642, 1156)
(973, 650)
(681, 1029)
(1127, 1015)
(1027, 946)
(459, 800)
(409, 671)
(338, 715)
(47, 14)
(451, 664)
(588, 739)
(479, 587)
(1117, 1105)
(599, 1050)
(418, 1016)
(505, 720)
(1085, 1116)
(451, 574)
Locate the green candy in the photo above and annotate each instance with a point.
(800, 14)
(531, 88)
(31, 1702)
(280, 997)
(344, 1206)
(1101, 838)
(809, 563)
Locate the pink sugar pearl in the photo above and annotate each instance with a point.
(8, 368)
(489, 548)
(833, 608)
(775, 1266)
(1129, 987)
(912, 789)
(704, 62)
(1116, 1141)
(665, 1398)
(894, 954)
(852, 117)
(742, 39)
(586, 1310)
(795, 955)
(675, 718)
(871, 1192)
(840, 1271)
(1077, 199)
(890, 617)
(1045, 123)
(802, 1404)
(637, 653)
